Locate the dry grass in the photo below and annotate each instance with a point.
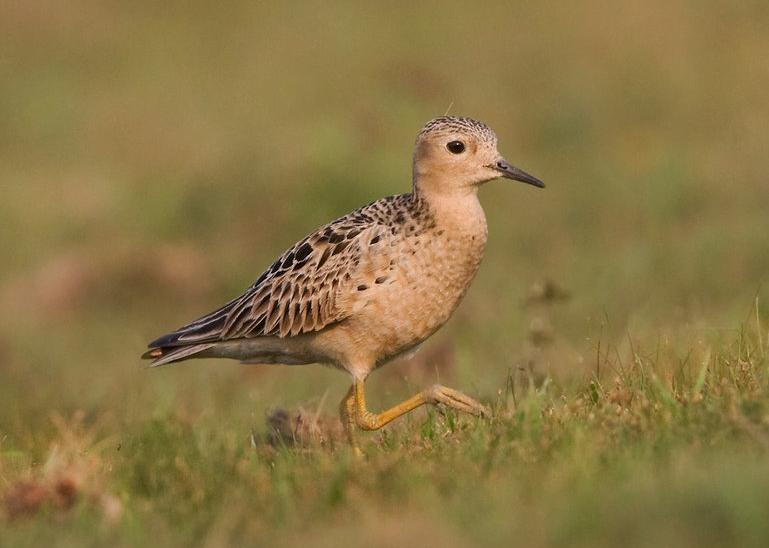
(72, 474)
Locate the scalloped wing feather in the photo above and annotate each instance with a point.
(319, 281)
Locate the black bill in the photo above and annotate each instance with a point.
(512, 172)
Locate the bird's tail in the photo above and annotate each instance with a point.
(170, 354)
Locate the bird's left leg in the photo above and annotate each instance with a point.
(347, 416)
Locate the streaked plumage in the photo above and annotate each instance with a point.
(318, 281)
(372, 284)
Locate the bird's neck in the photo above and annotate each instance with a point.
(436, 186)
(456, 208)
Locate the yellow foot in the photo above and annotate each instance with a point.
(453, 398)
(353, 412)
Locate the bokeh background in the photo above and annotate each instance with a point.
(154, 158)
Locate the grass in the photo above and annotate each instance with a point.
(680, 441)
(154, 159)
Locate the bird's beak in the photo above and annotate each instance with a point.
(511, 172)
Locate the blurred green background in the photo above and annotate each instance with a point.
(154, 158)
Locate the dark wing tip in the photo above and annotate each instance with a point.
(169, 339)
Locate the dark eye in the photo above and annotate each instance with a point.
(456, 147)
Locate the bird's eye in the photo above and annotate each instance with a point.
(456, 147)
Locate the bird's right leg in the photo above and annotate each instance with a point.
(436, 394)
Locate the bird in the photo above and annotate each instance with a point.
(369, 286)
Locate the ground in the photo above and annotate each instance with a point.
(155, 158)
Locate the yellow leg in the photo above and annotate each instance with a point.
(434, 395)
(347, 416)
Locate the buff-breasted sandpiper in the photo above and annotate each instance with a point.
(371, 285)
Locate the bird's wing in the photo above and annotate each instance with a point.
(321, 280)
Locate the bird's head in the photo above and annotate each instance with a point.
(456, 155)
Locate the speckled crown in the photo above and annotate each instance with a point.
(457, 124)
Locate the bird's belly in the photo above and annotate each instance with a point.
(429, 285)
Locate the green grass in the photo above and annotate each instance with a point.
(662, 450)
(153, 159)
